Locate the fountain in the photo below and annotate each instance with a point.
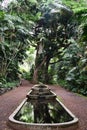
(42, 110)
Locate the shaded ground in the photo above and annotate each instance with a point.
(10, 100)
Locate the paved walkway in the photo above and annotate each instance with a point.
(10, 100)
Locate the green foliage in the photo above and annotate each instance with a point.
(15, 33)
(6, 86)
(11, 46)
(73, 69)
(2, 14)
(74, 60)
(52, 32)
(77, 81)
(76, 5)
(58, 35)
(11, 84)
(28, 75)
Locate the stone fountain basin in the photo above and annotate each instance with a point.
(19, 125)
(42, 95)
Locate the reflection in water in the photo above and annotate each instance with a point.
(43, 112)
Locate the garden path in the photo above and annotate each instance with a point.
(10, 100)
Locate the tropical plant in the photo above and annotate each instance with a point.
(76, 73)
(14, 40)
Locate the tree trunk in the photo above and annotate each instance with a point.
(46, 71)
(35, 75)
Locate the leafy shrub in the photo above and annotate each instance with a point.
(4, 87)
(77, 81)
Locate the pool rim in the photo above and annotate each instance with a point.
(13, 121)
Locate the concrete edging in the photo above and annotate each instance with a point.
(19, 125)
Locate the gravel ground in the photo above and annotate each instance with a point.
(10, 100)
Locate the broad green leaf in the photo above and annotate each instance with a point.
(2, 14)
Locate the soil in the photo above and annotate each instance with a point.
(9, 101)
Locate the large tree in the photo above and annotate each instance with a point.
(52, 32)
